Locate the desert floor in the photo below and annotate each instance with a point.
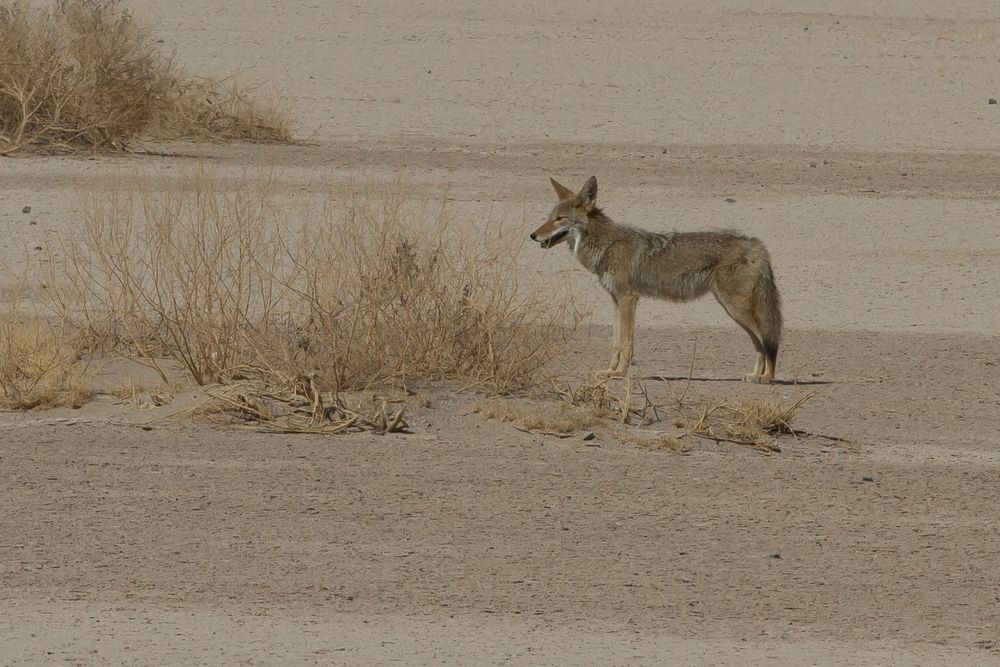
(859, 145)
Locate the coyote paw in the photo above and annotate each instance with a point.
(611, 373)
(753, 378)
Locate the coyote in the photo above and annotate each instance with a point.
(679, 266)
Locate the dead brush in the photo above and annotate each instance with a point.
(39, 366)
(752, 423)
(753, 419)
(219, 111)
(267, 401)
(84, 74)
(390, 291)
(77, 73)
(581, 407)
(371, 291)
(631, 406)
(188, 273)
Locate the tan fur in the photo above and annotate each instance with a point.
(679, 266)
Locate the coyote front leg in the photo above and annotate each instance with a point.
(621, 356)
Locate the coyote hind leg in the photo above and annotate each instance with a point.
(760, 364)
(739, 308)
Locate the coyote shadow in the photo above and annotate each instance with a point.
(685, 378)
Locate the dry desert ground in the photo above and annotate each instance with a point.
(857, 142)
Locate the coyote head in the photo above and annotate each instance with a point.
(569, 215)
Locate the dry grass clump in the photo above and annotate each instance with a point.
(627, 407)
(751, 420)
(355, 294)
(753, 423)
(39, 367)
(556, 418)
(581, 407)
(84, 74)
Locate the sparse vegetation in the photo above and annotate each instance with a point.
(39, 366)
(84, 74)
(361, 292)
(627, 410)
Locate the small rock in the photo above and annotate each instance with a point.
(589, 435)
(38, 247)
(867, 478)
(730, 200)
(26, 209)
(774, 554)
(993, 100)
(812, 164)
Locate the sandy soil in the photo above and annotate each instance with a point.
(859, 145)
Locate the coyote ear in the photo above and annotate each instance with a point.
(588, 194)
(561, 190)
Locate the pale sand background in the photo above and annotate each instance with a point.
(195, 546)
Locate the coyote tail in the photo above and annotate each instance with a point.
(768, 311)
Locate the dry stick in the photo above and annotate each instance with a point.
(687, 385)
(656, 413)
(767, 447)
(647, 404)
(832, 438)
(552, 433)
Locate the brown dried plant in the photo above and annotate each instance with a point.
(364, 291)
(85, 74)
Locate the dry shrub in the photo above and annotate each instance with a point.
(227, 110)
(78, 73)
(188, 273)
(364, 291)
(39, 366)
(394, 292)
(85, 74)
